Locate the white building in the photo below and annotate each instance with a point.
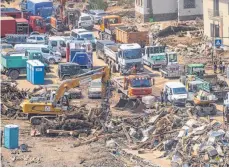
(216, 19)
(162, 10)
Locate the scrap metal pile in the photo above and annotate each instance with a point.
(11, 98)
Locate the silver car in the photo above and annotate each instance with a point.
(97, 15)
(95, 89)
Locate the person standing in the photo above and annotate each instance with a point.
(215, 67)
(162, 96)
(223, 67)
(166, 98)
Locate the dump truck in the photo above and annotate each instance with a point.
(125, 34)
(122, 57)
(132, 88)
(15, 63)
(172, 71)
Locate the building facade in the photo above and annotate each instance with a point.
(216, 19)
(163, 10)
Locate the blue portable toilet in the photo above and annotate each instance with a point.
(37, 72)
(11, 134)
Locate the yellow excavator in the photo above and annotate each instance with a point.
(46, 107)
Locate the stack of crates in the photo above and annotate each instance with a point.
(35, 72)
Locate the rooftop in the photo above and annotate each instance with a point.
(174, 84)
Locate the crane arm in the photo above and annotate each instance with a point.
(68, 84)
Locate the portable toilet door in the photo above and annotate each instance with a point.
(28, 71)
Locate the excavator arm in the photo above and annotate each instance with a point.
(103, 73)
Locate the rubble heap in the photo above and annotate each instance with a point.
(11, 98)
(184, 139)
(77, 121)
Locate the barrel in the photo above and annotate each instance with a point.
(11, 134)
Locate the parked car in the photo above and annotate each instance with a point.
(97, 15)
(50, 55)
(37, 39)
(95, 89)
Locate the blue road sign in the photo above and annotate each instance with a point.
(218, 42)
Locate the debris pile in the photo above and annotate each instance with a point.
(11, 98)
(184, 139)
(77, 122)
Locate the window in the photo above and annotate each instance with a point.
(214, 30)
(189, 4)
(62, 44)
(45, 50)
(40, 38)
(54, 43)
(31, 38)
(148, 3)
(216, 7)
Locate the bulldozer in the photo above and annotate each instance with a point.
(132, 89)
(37, 108)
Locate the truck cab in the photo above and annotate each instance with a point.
(177, 93)
(129, 55)
(37, 23)
(88, 36)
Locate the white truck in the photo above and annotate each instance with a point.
(122, 57)
(176, 92)
(157, 57)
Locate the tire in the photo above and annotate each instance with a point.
(14, 74)
(214, 110)
(52, 61)
(188, 104)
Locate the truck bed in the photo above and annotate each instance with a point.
(124, 35)
(13, 62)
(119, 82)
(111, 51)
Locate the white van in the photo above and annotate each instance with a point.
(85, 21)
(51, 56)
(177, 93)
(57, 43)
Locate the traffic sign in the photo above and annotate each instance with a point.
(218, 42)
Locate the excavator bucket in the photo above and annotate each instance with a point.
(139, 107)
(121, 104)
(130, 105)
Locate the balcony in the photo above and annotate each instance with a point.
(215, 14)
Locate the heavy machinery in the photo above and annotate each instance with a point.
(132, 88)
(202, 103)
(108, 25)
(37, 108)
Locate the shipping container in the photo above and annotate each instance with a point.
(8, 26)
(11, 136)
(125, 35)
(37, 72)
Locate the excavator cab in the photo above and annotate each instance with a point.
(108, 21)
